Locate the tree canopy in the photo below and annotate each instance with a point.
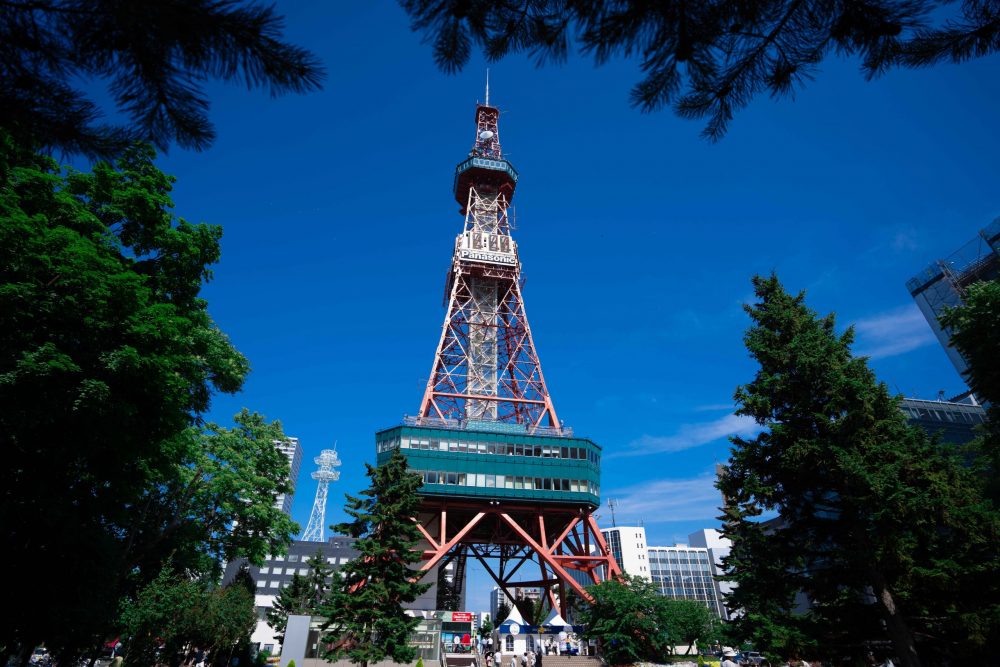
(879, 533)
(631, 620)
(365, 619)
(174, 611)
(690, 622)
(975, 332)
(107, 364)
(709, 59)
(154, 57)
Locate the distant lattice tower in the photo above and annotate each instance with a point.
(327, 461)
(505, 482)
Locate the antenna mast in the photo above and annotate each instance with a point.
(327, 461)
(613, 504)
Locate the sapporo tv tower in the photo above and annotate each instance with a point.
(504, 481)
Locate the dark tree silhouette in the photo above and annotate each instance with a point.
(710, 58)
(153, 55)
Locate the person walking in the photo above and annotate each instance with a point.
(538, 659)
(727, 659)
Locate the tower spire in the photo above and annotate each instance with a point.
(487, 86)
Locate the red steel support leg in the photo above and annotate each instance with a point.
(544, 555)
(444, 548)
(614, 572)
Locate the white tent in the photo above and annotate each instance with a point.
(555, 619)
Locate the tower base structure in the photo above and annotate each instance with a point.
(513, 499)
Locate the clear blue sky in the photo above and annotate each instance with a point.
(637, 237)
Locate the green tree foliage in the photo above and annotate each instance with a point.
(107, 361)
(486, 627)
(880, 528)
(689, 622)
(304, 595)
(533, 611)
(365, 618)
(630, 619)
(975, 332)
(709, 59)
(503, 611)
(153, 56)
(174, 611)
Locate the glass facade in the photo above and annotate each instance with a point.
(495, 463)
(684, 573)
(941, 284)
(954, 423)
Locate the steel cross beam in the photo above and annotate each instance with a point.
(522, 533)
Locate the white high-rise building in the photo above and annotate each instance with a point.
(628, 546)
(682, 571)
(718, 548)
(292, 450)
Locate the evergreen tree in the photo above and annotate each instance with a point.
(154, 56)
(291, 601)
(709, 59)
(975, 333)
(503, 611)
(365, 617)
(877, 525)
(304, 595)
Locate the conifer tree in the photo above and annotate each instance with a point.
(365, 617)
(975, 332)
(304, 595)
(880, 528)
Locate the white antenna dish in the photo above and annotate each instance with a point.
(486, 135)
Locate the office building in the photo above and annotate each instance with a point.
(628, 545)
(498, 597)
(941, 285)
(292, 450)
(277, 572)
(718, 548)
(682, 571)
(953, 421)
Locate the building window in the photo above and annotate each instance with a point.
(265, 570)
(273, 584)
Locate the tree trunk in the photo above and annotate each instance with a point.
(899, 632)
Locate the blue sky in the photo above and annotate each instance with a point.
(638, 240)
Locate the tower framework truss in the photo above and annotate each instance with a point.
(486, 367)
(505, 482)
(327, 461)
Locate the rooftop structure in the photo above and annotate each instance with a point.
(954, 422)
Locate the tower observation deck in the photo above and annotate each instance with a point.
(504, 479)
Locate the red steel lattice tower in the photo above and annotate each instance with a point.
(486, 366)
(505, 482)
